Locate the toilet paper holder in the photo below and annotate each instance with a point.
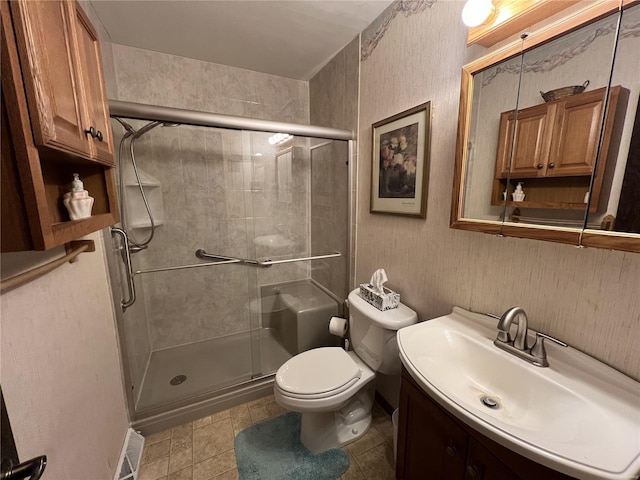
(338, 326)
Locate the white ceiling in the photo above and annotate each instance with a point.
(291, 38)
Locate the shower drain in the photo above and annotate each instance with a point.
(178, 379)
(489, 402)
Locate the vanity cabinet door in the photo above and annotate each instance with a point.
(431, 446)
(483, 465)
(531, 145)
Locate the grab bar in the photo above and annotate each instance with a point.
(268, 263)
(131, 287)
(201, 253)
(184, 267)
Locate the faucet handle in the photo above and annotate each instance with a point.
(542, 336)
(538, 349)
(504, 336)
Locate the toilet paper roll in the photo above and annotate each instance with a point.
(338, 326)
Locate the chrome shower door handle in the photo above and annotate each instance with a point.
(31, 469)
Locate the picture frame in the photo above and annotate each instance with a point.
(400, 163)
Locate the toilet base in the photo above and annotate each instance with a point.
(325, 430)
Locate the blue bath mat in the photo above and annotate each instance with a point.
(271, 450)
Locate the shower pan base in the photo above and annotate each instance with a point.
(209, 366)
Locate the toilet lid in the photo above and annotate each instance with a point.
(317, 371)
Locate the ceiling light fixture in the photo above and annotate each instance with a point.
(476, 12)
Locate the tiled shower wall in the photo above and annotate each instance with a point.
(333, 99)
(220, 188)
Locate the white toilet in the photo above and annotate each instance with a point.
(332, 388)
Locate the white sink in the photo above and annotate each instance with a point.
(577, 416)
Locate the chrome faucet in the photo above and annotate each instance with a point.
(513, 315)
(537, 354)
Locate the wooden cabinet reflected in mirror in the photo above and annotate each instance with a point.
(567, 149)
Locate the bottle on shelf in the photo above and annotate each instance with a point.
(78, 201)
(518, 194)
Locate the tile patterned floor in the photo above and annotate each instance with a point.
(203, 449)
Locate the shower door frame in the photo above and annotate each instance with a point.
(164, 416)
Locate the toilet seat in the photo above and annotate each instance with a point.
(318, 373)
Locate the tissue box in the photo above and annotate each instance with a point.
(385, 301)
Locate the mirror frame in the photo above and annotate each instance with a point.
(579, 237)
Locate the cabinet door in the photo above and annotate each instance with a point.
(46, 49)
(431, 446)
(483, 465)
(577, 130)
(90, 68)
(531, 144)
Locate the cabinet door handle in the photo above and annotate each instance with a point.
(539, 166)
(451, 451)
(91, 132)
(99, 135)
(472, 471)
(551, 165)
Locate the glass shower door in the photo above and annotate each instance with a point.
(189, 332)
(203, 326)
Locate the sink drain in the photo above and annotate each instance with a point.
(489, 402)
(178, 379)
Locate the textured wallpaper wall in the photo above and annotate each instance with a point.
(586, 297)
(61, 376)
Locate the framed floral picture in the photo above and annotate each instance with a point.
(400, 169)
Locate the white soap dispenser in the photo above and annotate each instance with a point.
(78, 201)
(518, 194)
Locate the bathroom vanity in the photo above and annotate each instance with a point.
(432, 444)
(473, 409)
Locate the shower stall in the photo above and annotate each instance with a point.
(233, 252)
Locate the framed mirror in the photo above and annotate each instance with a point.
(546, 166)
(619, 199)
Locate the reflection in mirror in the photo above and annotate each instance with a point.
(620, 194)
(557, 128)
(494, 90)
(555, 141)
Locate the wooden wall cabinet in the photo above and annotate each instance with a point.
(554, 150)
(62, 74)
(433, 445)
(57, 123)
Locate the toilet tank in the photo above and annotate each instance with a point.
(373, 333)
(301, 320)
